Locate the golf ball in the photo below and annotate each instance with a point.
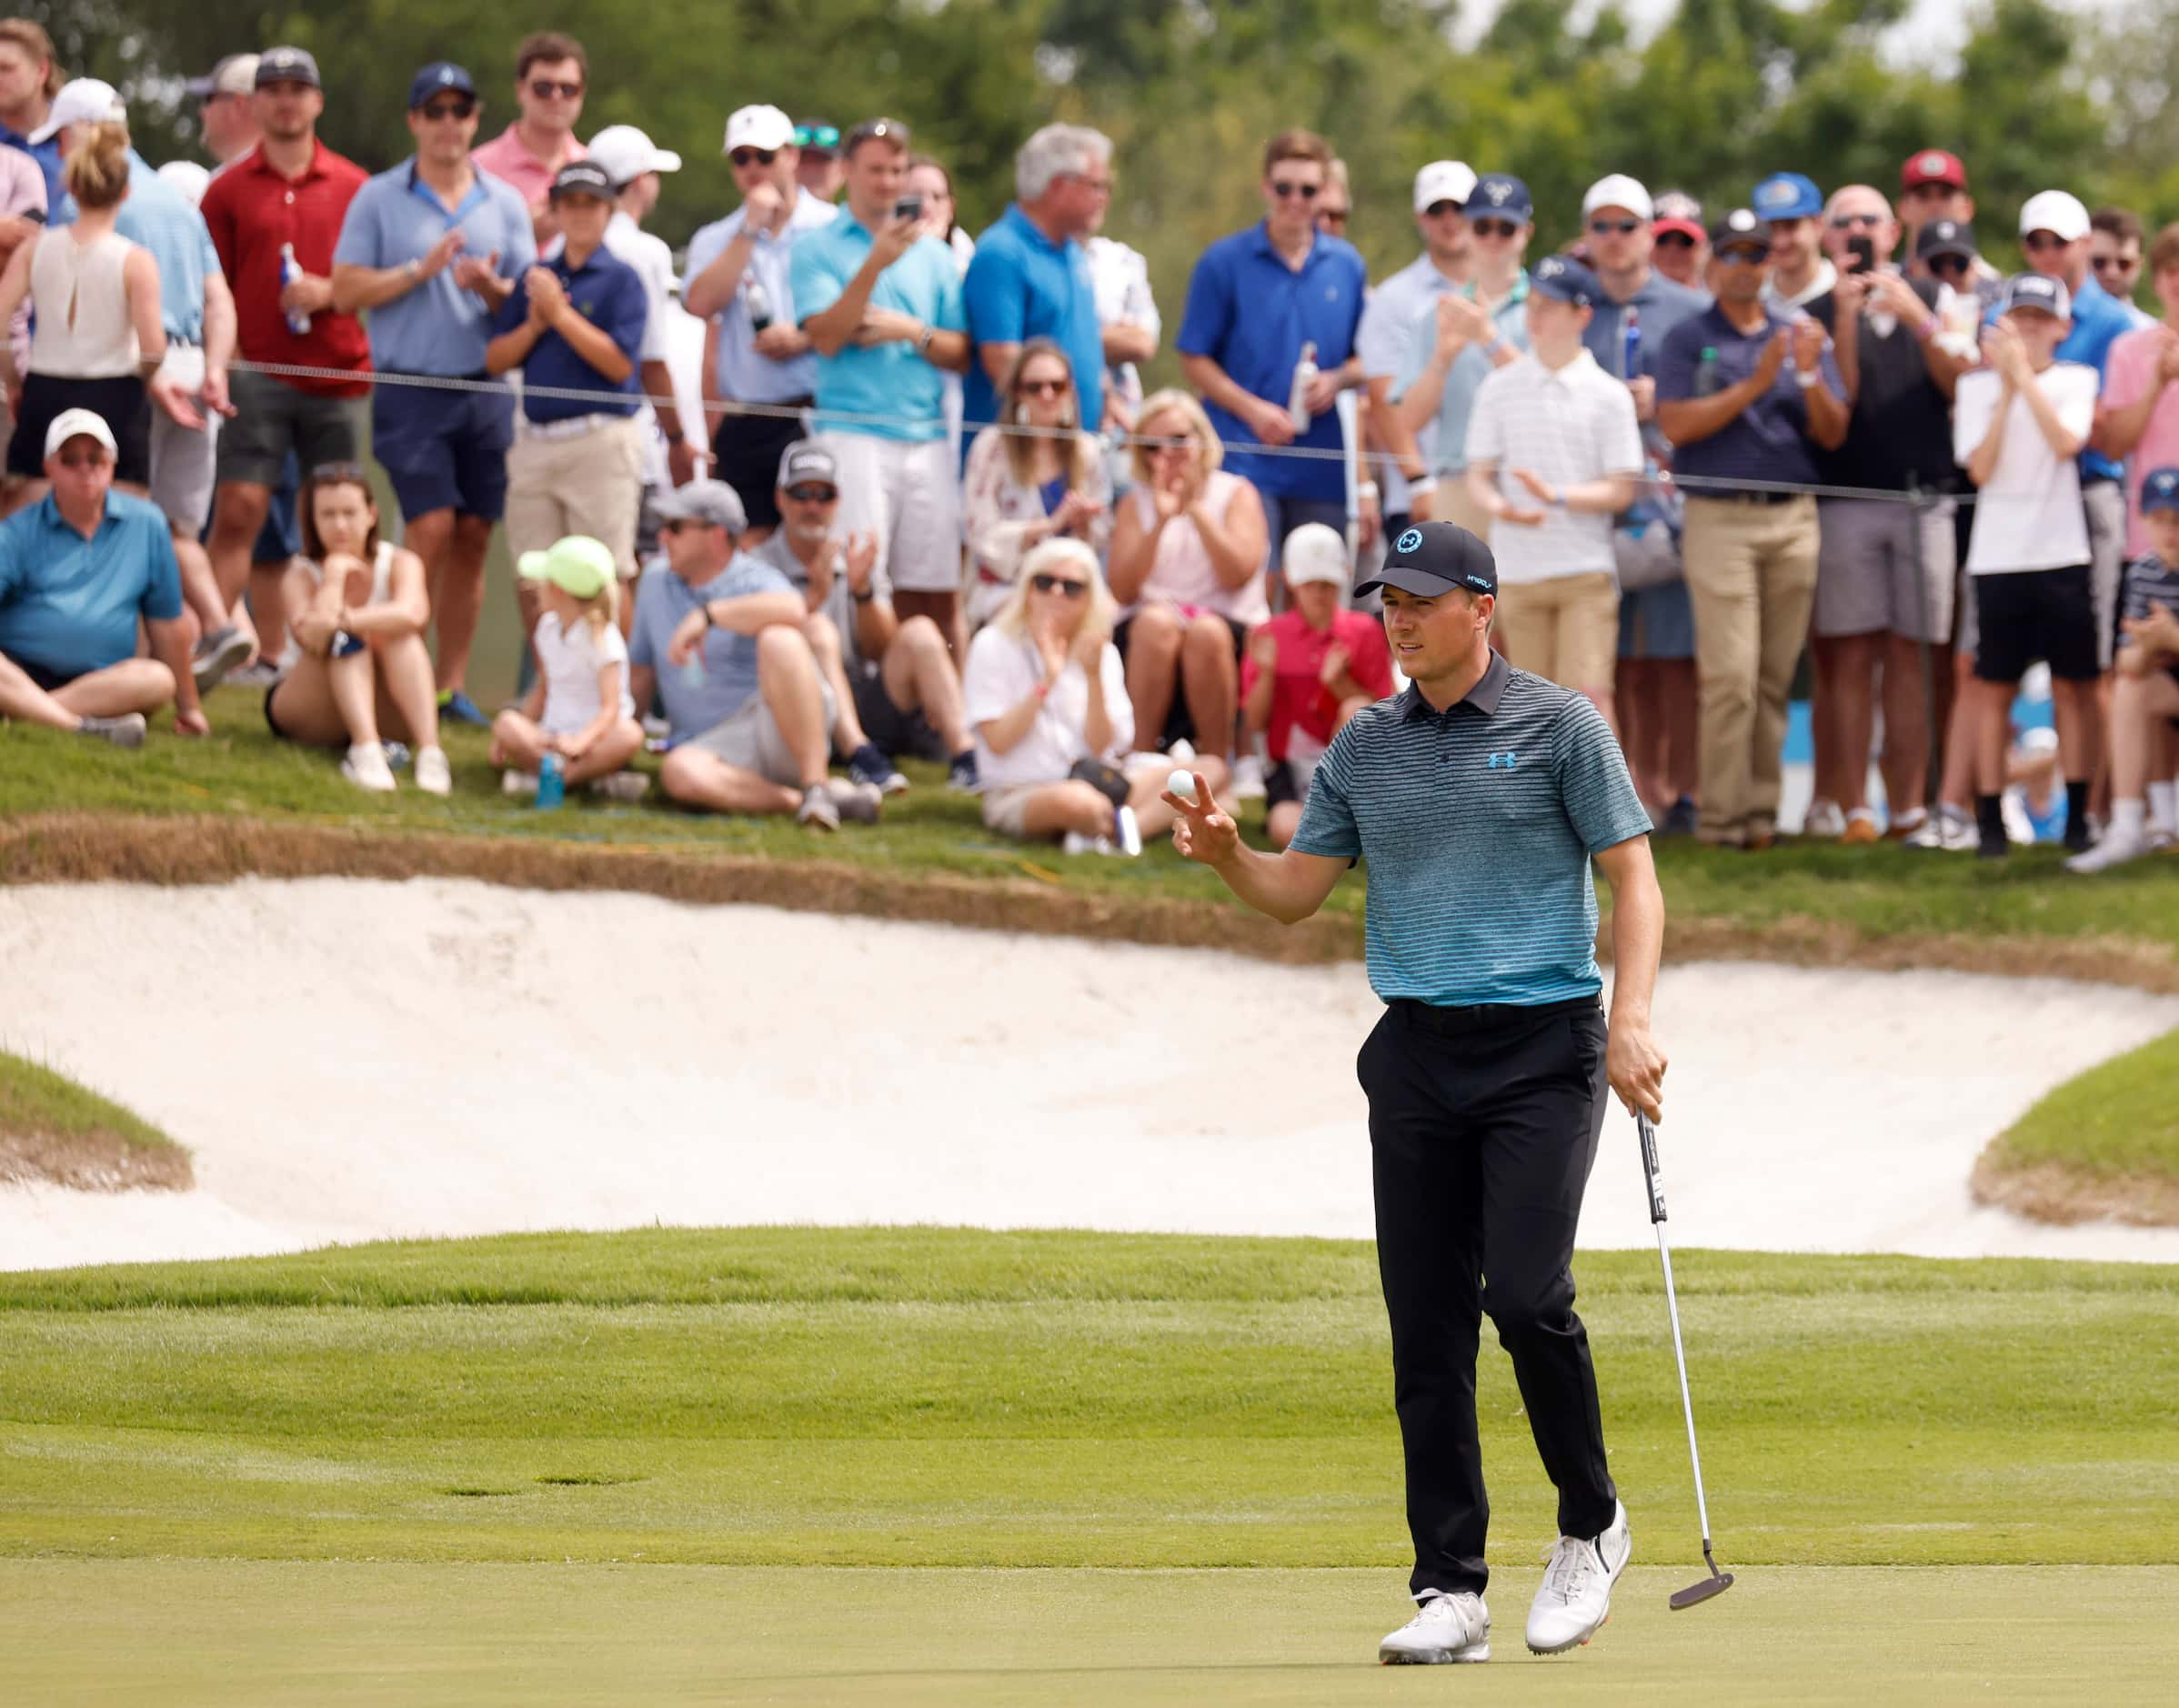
(1182, 784)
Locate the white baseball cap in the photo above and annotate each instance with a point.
(189, 177)
(627, 153)
(1619, 190)
(1443, 181)
(75, 423)
(759, 128)
(2057, 212)
(1314, 552)
(83, 100)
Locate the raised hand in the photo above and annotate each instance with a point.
(862, 558)
(1808, 343)
(1772, 358)
(547, 296)
(441, 254)
(1203, 832)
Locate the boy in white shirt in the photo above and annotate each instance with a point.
(2019, 423)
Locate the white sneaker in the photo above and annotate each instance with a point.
(1446, 1629)
(518, 784)
(366, 767)
(434, 777)
(1824, 820)
(1948, 830)
(2116, 848)
(1131, 832)
(1575, 1598)
(1075, 842)
(1248, 776)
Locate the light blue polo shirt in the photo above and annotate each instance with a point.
(1477, 823)
(159, 218)
(1023, 286)
(729, 677)
(434, 327)
(740, 372)
(70, 605)
(1469, 369)
(1251, 313)
(891, 382)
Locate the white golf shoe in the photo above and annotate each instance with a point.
(1576, 1596)
(1445, 1630)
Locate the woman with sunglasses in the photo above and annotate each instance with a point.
(1049, 704)
(1188, 566)
(1025, 488)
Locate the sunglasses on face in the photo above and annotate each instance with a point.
(545, 88)
(813, 494)
(1437, 210)
(1332, 216)
(759, 156)
(2116, 264)
(1066, 587)
(1497, 228)
(1043, 388)
(1948, 264)
(1675, 240)
(1285, 189)
(1847, 222)
(440, 112)
(1744, 256)
(1614, 227)
(2042, 242)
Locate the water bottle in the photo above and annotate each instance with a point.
(1707, 380)
(298, 322)
(1305, 375)
(552, 782)
(760, 306)
(1631, 367)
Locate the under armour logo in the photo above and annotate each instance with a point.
(1409, 541)
(1504, 762)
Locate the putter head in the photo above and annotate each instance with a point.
(1694, 1594)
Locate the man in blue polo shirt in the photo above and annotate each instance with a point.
(1480, 796)
(1743, 420)
(79, 570)
(1255, 300)
(575, 323)
(1030, 277)
(432, 248)
(881, 299)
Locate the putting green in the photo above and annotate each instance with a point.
(234, 1634)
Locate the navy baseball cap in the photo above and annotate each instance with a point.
(2160, 490)
(1497, 195)
(1787, 196)
(1564, 279)
(285, 65)
(1433, 558)
(442, 76)
(1945, 236)
(2034, 290)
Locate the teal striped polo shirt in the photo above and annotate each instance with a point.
(1477, 823)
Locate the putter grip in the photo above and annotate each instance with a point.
(1651, 1173)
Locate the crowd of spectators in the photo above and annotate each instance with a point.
(929, 510)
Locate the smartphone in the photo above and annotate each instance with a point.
(908, 207)
(1863, 252)
(344, 645)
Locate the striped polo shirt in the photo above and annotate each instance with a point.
(1477, 823)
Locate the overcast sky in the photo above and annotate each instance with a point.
(1934, 30)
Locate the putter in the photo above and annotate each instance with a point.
(1717, 1581)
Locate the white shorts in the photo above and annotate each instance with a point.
(909, 494)
(182, 457)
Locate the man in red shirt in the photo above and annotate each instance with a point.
(288, 193)
(1308, 671)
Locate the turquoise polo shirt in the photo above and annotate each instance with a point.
(1251, 313)
(1477, 823)
(1023, 286)
(900, 395)
(435, 326)
(70, 605)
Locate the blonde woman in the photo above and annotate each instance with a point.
(1188, 555)
(1048, 701)
(1023, 489)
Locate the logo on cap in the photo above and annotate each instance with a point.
(1409, 541)
(1937, 166)
(1775, 192)
(1498, 191)
(1741, 219)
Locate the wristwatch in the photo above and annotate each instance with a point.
(709, 621)
(864, 597)
(923, 344)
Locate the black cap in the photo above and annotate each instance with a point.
(1944, 236)
(1431, 559)
(1741, 229)
(287, 64)
(583, 178)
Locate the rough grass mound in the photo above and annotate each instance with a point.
(56, 1132)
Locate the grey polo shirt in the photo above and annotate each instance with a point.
(1477, 823)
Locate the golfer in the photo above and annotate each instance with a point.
(1479, 797)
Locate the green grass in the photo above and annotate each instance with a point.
(34, 1099)
(53, 1130)
(1872, 894)
(2118, 1119)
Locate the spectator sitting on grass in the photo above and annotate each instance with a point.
(2146, 694)
(1310, 669)
(78, 569)
(718, 638)
(892, 682)
(1024, 487)
(359, 608)
(579, 706)
(1049, 703)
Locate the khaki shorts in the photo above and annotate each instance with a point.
(587, 482)
(751, 742)
(1564, 630)
(1006, 808)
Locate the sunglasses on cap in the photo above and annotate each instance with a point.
(823, 136)
(545, 88)
(1437, 210)
(438, 112)
(1045, 387)
(873, 129)
(1287, 189)
(1066, 587)
(812, 494)
(760, 157)
(1497, 228)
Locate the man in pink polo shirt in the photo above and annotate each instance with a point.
(2139, 420)
(551, 73)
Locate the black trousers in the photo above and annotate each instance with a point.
(1483, 1126)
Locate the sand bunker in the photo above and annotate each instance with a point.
(353, 1060)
